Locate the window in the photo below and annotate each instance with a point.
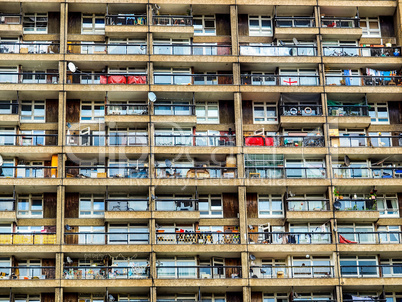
(379, 113)
(91, 297)
(380, 139)
(186, 264)
(7, 136)
(352, 138)
(27, 298)
(35, 23)
(314, 267)
(27, 269)
(359, 266)
(204, 25)
(262, 78)
(272, 268)
(313, 297)
(294, 21)
(340, 48)
(309, 233)
(172, 47)
(33, 112)
(128, 234)
(8, 107)
(173, 137)
(207, 112)
(92, 205)
(357, 233)
(91, 235)
(270, 206)
(307, 202)
(360, 170)
(305, 168)
(127, 47)
(393, 296)
(92, 111)
(172, 108)
(260, 25)
(34, 77)
(389, 234)
(276, 297)
(93, 24)
(265, 113)
(8, 74)
(175, 202)
(130, 269)
(172, 76)
(340, 77)
(371, 27)
(93, 48)
(210, 206)
(128, 137)
(32, 138)
(127, 168)
(6, 203)
(127, 202)
(5, 267)
(30, 205)
(10, 46)
(387, 204)
(132, 298)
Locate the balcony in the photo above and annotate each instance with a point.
(168, 20)
(303, 205)
(358, 205)
(126, 19)
(300, 27)
(280, 80)
(196, 172)
(28, 139)
(290, 237)
(109, 78)
(371, 271)
(278, 51)
(197, 237)
(167, 25)
(192, 49)
(28, 272)
(22, 171)
(29, 48)
(354, 51)
(29, 78)
(111, 238)
(193, 79)
(291, 272)
(106, 172)
(285, 172)
(27, 238)
(300, 110)
(176, 205)
(9, 113)
(195, 140)
(121, 139)
(126, 109)
(106, 49)
(285, 141)
(379, 141)
(198, 272)
(127, 205)
(341, 27)
(370, 237)
(349, 116)
(368, 172)
(105, 272)
(364, 80)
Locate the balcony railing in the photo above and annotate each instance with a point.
(10, 19)
(28, 272)
(371, 271)
(27, 238)
(192, 79)
(127, 205)
(29, 78)
(167, 20)
(112, 78)
(192, 49)
(126, 19)
(105, 272)
(358, 205)
(290, 237)
(348, 110)
(101, 238)
(370, 237)
(300, 110)
(196, 172)
(340, 22)
(106, 172)
(7, 205)
(302, 271)
(28, 171)
(355, 51)
(7, 107)
(198, 272)
(109, 48)
(280, 80)
(363, 80)
(197, 238)
(176, 205)
(294, 22)
(28, 139)
(174, 109)
(277, 51)
(285, 172)
(366, 172)
(30, 48)
(194, 140)
(307, 205)
(126, 109)
(367, 141)
(285, 141)
(122, 139)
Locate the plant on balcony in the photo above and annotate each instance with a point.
(337, 195)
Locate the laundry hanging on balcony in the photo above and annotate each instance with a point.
(344, 240)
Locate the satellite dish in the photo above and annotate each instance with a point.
(168, 163)
(1, 160)
(71, 66)
(67, 227)
(151, 97)
(111, 298)
(157, 7)
(252, 257)
(295, 41)
(337, 205)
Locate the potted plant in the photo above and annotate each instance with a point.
(336, 194)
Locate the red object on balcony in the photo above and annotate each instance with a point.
(344, 240)
(103, 79)
(254, 141)
(137, 80)
(269, 141)
(117, 79)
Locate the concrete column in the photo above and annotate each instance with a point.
(328, 165)
(319, 48)
(241, 193)
(317, 16)
(58, 294)
(152, 264)
(59, 263)
(150, 42)
(152, 205)
(152, 231)
(398, 23)
(336, 265)
(152, 294)
(150, 66)
(338, 290)
(238, 118)
(234, 30)
(236, 74)
(62, 119)
(149, 14)
(60, 214)
(246, 294)
(151, 132)
(63, 27)
(245, 265)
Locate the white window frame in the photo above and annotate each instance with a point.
(92, 212)
(375, 119)
(296, 75)
(185, 73)
(34, 77)
(93, 118)
(27, 298)
(167, 46)
(8, 140)
(269, 212)
(95, 28)
(213, 211)
(33, 117)
(9, 75)
(32, 140)
(202, 30)
(207, 118)
(36, 29)
(382, 207)
(27, 264)
(139, 229)
(5, 267)
(96, 236)
(370, 32)
(30, 212)
(267, 119)
(275, 297)
(260, 31)
(357, 228)
(130, 46)
(389, 238)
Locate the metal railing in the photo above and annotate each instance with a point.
(368, 141)
(7, 107)
(302, 271)
(198, 272)
(300, 110)
(196, 172)
(285, 141)
(358, 204)
(22, 171)
(126, 109)
(280, 80)
(28, 139)
(290, 237)
(363, 80)
(174, 109)
(7, 204)
(27, 238)
(294, 21)
(178, 204)
(29, 78)
(167, 20)
(105, 272)
(277, 50)
(370, 271)
(340, 22)
(194, 140)
(126, 19)
(103, 238)
(285, 172)
(192, 79)
(356, 51)
(10, 19)
(108, 48)
(106, 172)
(30, 48)
(28, 272)
(122, 139)
(112, 78)
(370, 237)
(367, 172)
(191, 49)
(307, 205)
(188, 237)
(127, 205)
(348, 110)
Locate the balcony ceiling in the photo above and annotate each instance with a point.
(267, 10)
(38, 7)
(295, 11)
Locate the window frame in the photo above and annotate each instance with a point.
(92, 118)
(376, 120)
(367, 31)
(93, 30)
(202, 29)
(30, 198)
(207, 118)
(92, 199)
(35, 23)
(260, 32)
(218, 210)
(32, 117)
(270, 198)
(267, 119)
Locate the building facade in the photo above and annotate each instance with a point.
(216, 151)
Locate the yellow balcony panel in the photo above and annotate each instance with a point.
(390, 89)
(193, 59)
(357, 216)
(185, 120)
(32, 150)
(85, 221)
(116, 31)
(31, 87)
(286, 282)
(197, 182)
(169, 31)
(194, 88)
(305, 216)
(278, 250)
(341, 33)
(282, 60)
(306, 121)
(30, 182)
(129, 120)
(196, 249)
(172, 216)
(108, 248)
(8, 216)
(35, 283)
(298, 32)
(10, 30)
(104, 58)
(9, 119)
(41, 37)
(83, 182)
(280, 89)
(49, 238)
(179, 283)
(287, 182)
(284, 150)
(127, 216)
(108, 283)
(350, 121)
(384, 62)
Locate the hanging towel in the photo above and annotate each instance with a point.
(347, 72)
